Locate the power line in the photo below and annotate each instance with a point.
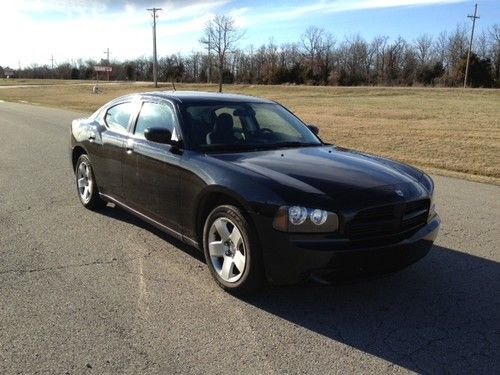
(474, 17)
(155, 61)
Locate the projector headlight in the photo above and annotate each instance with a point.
(305, 220)
(297, 215)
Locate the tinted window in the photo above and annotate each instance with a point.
(118, 116)
(245, 126)
(155, 115)
(275, 120)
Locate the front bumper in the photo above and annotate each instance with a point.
(289, 259)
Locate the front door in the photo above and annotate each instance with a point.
(150, 170)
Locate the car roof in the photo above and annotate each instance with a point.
(201, 96)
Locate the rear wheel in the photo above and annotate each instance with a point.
(231, 251)
(86, 185)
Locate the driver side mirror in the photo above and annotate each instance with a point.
(158, 135)
(314, 129)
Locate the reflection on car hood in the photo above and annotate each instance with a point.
(325, 170)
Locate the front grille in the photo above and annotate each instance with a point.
(388, 220)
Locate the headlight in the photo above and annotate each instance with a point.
(305, 220)
(297, 215)
(318, 217)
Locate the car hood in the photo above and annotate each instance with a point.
(328, 170)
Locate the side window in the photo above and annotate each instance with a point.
(117, 117)
(155, 115)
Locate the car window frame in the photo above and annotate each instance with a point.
(190, 139)
(133, 115)
(133, 124)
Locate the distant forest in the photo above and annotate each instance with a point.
(317, 58)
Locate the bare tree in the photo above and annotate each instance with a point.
(221, 36)
(311, 43)
(494, 35)
(379, 46)
(423, 45)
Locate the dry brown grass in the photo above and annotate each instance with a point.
(448, 131)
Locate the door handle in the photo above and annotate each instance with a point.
(129, 146)
(92, 136)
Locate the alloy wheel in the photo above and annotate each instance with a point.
(84, 181)
(227, 249)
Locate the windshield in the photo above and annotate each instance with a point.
(245, 126)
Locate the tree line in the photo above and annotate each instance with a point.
(317, 58)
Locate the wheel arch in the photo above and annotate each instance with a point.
(76, 153)
(212, 197)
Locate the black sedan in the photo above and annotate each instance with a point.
(248, 183)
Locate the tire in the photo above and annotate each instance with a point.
(86, 185)
(232, 251)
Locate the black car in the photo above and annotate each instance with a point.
(247, 182)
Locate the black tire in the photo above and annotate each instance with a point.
(92, 200)
(252, 278)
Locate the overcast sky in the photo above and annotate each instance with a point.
(31, 31)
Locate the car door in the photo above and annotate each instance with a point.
(151, 170)
(107, 149)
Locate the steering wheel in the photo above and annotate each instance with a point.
(266, 131)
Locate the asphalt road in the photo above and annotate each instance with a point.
(84, 292)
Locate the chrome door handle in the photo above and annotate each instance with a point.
(92, 136)
(130, 146)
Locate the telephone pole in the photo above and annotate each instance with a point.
(474, 17)
(107, 61)
(155, 61)
(107, 55)
(52, 65)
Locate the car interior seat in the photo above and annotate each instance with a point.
(223, 130)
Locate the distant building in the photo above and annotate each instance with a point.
(9, 73)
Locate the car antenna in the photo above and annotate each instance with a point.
(173, 85)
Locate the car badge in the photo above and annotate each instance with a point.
(400, 193)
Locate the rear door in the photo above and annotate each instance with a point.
(151, 170)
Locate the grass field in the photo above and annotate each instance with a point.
(447, 131)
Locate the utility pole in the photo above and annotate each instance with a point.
(155, 61)
(474, 17)
(107, 55)
(52, 64)
(107, 60)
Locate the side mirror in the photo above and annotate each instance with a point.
(314, 129)
(158, 135)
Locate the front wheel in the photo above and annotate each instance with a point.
(86, 185)
(232, 252)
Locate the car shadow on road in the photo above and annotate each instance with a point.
(120, 214)
(441, 315)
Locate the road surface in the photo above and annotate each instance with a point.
(84, 292)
